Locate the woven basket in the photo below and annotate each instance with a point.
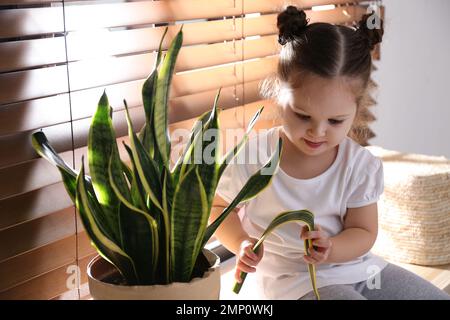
(414, 210)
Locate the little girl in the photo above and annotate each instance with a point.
(323, 76)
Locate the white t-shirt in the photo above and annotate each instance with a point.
(355, 179)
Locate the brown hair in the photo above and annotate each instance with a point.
(329, 51)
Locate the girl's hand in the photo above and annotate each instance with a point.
(319, 240)
(246, 259)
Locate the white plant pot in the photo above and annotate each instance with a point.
(205, 288)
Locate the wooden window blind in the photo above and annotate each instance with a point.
(57, 57)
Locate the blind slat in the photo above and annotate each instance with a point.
(17, 55)
(36, 233)
(37, 262)
(25, 85)
(17, 148)
(27, 115)
(29, 176)
(33, 205)
(31, 21)
(85, 247)
(192, 106)
(45, 286)
(25, 2)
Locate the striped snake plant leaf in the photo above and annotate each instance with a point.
(116, 176)
(146, 183)
(138, 230)
(69, 176)
(305, 216)
(163, 219)
(235, 151)
(127, 171)
(120, 186)
(138, 194)
(254, 185)
(148, 98)
(145, 166)
(149, 177)
(209, 166)
(194, 155)
(107, 248)
(196, 133)
(140, 241)
(162, 98)
(101, 143)
(188, 217)
(45, 150)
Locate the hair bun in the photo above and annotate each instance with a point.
(291, 22)
(371, 28)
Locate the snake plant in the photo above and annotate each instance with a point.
(149, 220)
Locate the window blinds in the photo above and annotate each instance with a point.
(57, 57)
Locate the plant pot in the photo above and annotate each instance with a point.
(205, 288)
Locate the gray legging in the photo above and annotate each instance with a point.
(396, 283)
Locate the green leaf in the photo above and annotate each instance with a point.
(163, 222)
(162, 98)
(101, 144)
(137, 190)
(116, 176)
(257, 183)
(145, 166)
(109, 250)
(148, 174)
(127, 172)
(140, 241)
(305, 216)
(196, 134)
(199, 145)
(148, 98)
(209, 166)
(44, 149)
(189, 217)
(69, 176)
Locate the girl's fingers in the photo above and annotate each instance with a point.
(322, 243)
(249, 252)
(248, 261)
(312, 235)
(244, 267)
(316, 255)
(237, 275)
(303, 231)
(309, 259)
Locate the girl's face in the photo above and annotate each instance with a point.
(321, 110)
